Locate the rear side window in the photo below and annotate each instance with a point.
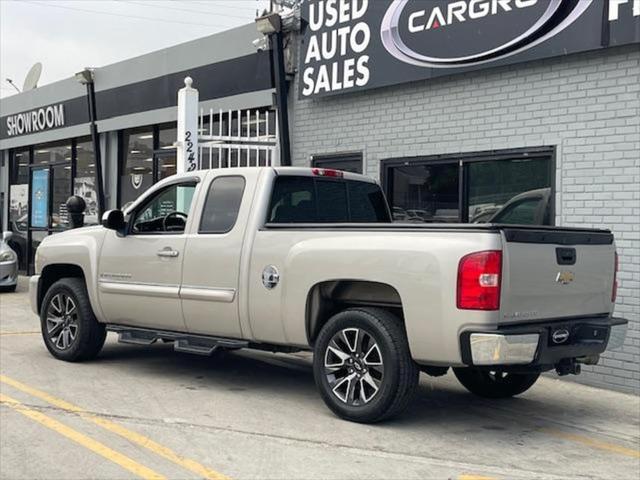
(321, 200)
(222, 205)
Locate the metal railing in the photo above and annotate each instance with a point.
(238, 138)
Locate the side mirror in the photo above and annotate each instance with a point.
(6, 236)
(113, 220)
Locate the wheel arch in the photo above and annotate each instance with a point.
(54, 272)
(329, 297)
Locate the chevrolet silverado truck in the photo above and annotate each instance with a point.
(290, 259)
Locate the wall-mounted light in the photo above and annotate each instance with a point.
(269, 23)
(85, 76)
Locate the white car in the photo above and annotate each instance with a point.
(8, 265)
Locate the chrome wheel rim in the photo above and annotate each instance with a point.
(62, 321)
(353, 366)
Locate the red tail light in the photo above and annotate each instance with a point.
(327, 172)
(614, 291)
(479, 281)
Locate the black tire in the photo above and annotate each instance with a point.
(89, 333)
(489, 384)
(9, 289)
(399, 374)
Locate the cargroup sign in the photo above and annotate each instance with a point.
(37, 120)
(351, 45)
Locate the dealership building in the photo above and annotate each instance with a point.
(529, 114)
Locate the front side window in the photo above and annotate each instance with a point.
(222, 205)
(165, 212)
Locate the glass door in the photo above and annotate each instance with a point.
(50, 187)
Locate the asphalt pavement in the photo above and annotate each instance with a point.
(148, 412)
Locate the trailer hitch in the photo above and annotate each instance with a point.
(568, 366)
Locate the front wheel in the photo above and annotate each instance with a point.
(362, 365)
(495, 384)
(69, 327)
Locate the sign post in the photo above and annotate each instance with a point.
(187, 142)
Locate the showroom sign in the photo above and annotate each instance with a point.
(351, 45)
(37, 120)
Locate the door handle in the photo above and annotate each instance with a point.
(167, 252)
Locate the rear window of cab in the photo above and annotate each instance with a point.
(300, 199)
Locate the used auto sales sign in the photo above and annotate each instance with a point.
(350, 45)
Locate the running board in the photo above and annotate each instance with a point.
(182, 342)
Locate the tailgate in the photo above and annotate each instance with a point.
(556, 273)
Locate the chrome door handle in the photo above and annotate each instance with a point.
(167, 252)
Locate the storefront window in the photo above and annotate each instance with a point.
(84, 184)
(495, 186)
(499, 187)
(52, 153)
(166, 153)
(167, 136)
(137, 164)
(351, 162)
(19, 203)
(57, 158)
(425, 193)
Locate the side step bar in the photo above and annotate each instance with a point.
(182, 342)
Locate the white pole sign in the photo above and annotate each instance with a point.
(187, 128)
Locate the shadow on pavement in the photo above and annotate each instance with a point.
(439, 402)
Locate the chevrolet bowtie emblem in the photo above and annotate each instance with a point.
(565, 278)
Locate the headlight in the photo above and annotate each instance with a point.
(8, 256)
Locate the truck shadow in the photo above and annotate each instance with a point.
(439, 403)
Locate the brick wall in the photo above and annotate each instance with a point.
(586, 105)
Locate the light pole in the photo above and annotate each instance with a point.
(270, 25)
(86, 77)
(10, 82)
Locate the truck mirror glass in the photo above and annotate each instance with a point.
(113, 220)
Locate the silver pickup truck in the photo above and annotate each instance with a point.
(287, 259)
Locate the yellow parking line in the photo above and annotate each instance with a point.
(590, 442)
(134, 437)
(87, 442)
(2, 334)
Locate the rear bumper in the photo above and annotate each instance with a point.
(541, 345)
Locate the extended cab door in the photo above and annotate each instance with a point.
(211, 275)
(140, 272)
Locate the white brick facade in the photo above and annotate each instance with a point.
(587, 106)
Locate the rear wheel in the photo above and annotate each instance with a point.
(69, 327)
(495, 384)
(362, 365)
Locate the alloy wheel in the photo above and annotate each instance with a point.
(353, 366)
(62, 321)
